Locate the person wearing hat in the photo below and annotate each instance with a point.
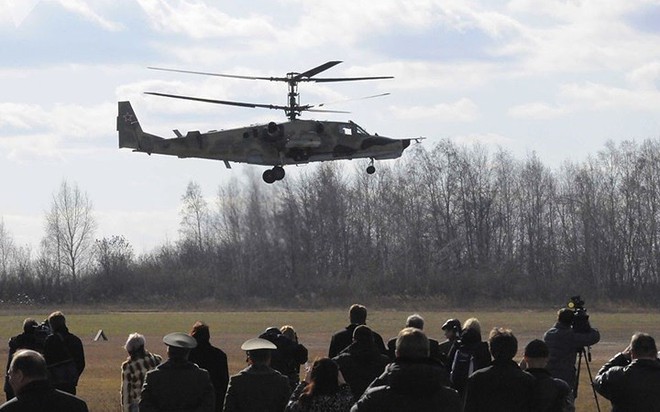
(177, 384)
(549, 394)
(257, 387)
(452, 330)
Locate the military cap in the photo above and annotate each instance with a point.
(454, 324)
(256, 344)
(180, 340)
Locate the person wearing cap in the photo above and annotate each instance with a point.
(631, 379)
(28, 378)
(452, 331)
(177, 384)
(257, 387)
(549, 394)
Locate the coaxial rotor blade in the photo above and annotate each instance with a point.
(325, 111)
(347, 79)
(316, 70)
(351, 100)
(225, 102)
(232, 76)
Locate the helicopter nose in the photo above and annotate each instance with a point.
(405, 143)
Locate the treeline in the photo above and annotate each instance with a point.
(458, 223)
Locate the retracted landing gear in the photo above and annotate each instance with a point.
(371, 169)
(271, 175)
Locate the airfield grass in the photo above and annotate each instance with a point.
(100, 382)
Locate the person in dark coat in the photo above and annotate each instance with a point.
(288, 356)
(177, 384)
(631, 379)
(416, 321)
(452, 330)
(361, 362)
(564, 343)
(341, 339)
(214, 360)
(550, 394)
(28, 378)
(257, 387)
(470, 345)
(300, 357)
(411, 382)
(26, 340)
(503, 386)
(64, 354)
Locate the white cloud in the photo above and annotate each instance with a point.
(83, 8)
(490, 139)
(200, 21)
(591, 96)
(646, 76)
(536, 110)
(463, 110)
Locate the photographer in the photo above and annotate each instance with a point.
(566, 339)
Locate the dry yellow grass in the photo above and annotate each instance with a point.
(99, 384)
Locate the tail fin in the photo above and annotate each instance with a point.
(128, 126)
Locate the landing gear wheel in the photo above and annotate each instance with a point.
(268, 176)
(371, 169)
(278, 172)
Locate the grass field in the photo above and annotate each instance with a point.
(100, 382)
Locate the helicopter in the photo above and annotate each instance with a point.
(292, 142)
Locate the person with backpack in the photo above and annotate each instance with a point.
(470, 354)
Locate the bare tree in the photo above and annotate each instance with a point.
(70, 227)
(194, 217)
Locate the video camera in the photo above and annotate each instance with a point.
(580, 317)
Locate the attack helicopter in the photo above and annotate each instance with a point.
(295, 141)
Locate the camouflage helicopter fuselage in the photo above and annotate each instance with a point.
(273, 144)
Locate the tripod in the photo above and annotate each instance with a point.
(586, 354)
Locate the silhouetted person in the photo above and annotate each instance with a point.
(361, 362)
(631, 379)
(133, 371)
(416, 321)
(503, 386)
(411, 383)
(28, 378)
(178, 384)
(214, 360)
(564, 343)
(340, 340)
(470, 354)
(64, 354)
(452, 330)
(26, 340)
(301, 354)
(550, 394)
(257, 387)
(288, 356)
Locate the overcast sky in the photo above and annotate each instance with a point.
(559, 78)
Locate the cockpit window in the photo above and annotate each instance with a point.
(348, 131)
(360, 130)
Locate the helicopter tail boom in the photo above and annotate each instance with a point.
(130, 131)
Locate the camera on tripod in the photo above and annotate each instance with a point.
(580, 317)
